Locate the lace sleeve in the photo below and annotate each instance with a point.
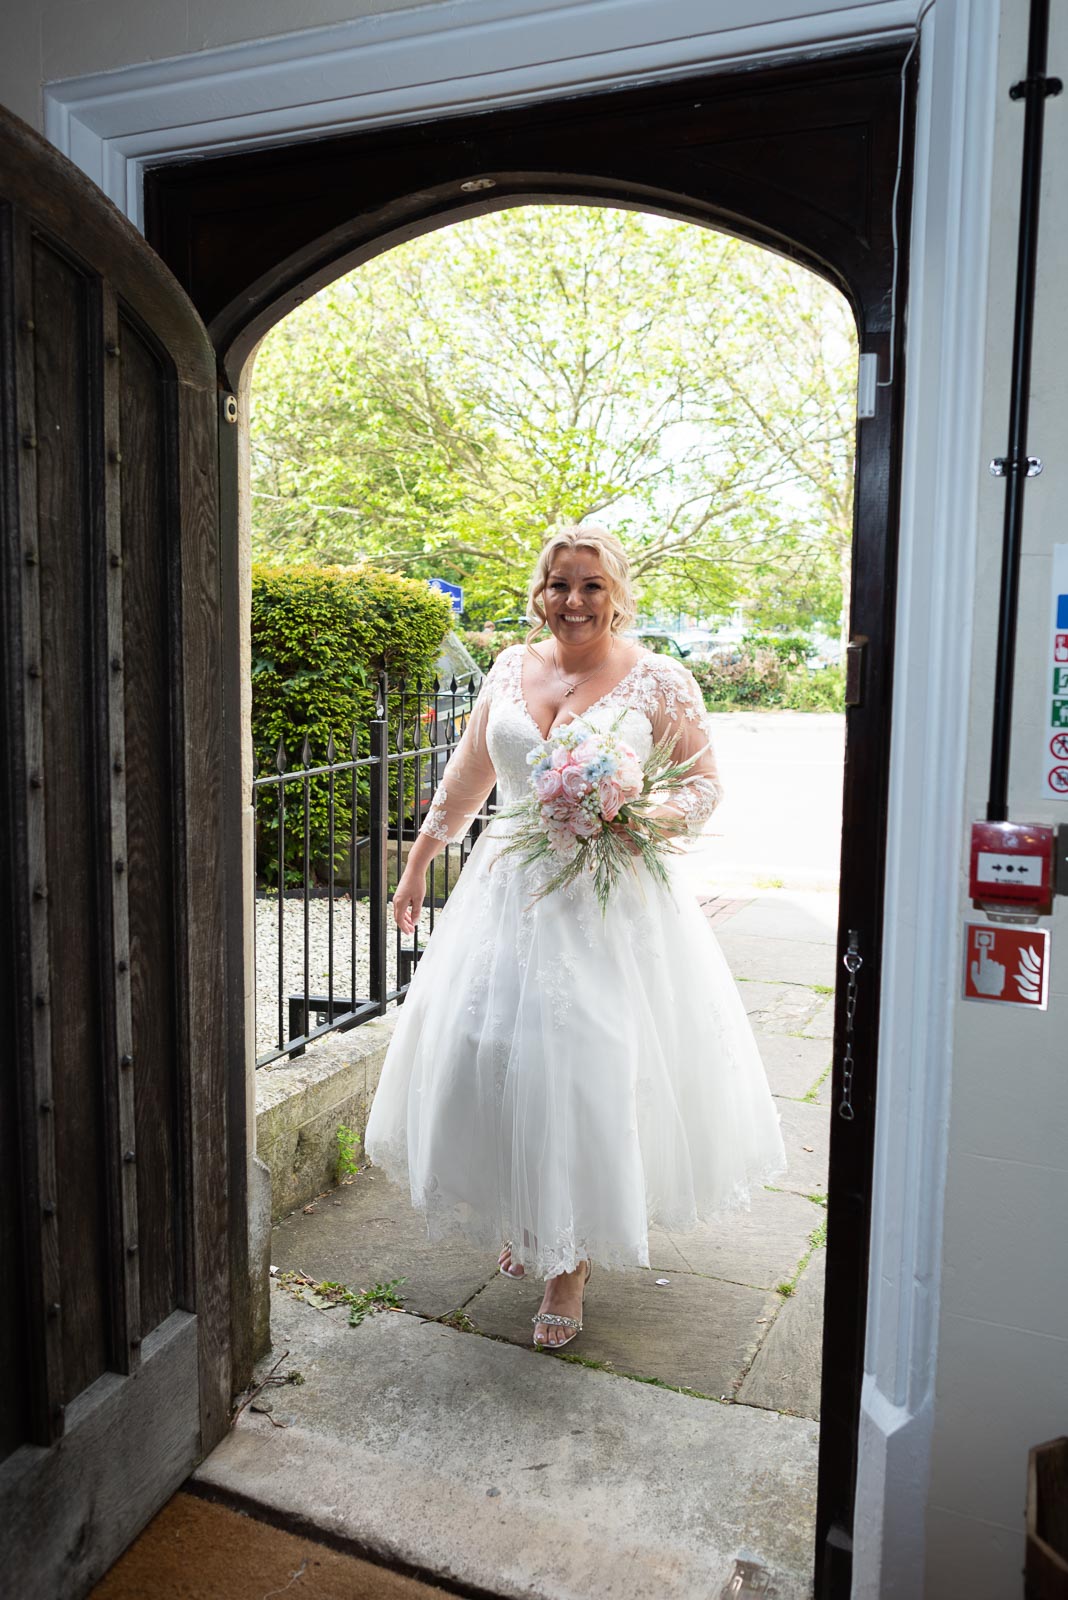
(680, 713)
(468, 776)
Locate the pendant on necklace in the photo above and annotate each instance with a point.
(570, 689)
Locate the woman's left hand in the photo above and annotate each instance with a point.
(668, 818)
(624, 837)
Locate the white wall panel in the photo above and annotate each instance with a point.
(1002, 1366)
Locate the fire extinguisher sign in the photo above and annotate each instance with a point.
(1055, 736)
(1007, 966)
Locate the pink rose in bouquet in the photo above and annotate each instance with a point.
(584, 825)
(548, 785)
(575, 783)
(610, 795)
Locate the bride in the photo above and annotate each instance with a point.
(558, 1077)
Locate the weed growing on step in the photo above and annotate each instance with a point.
(380, 1297)
(811, 1094)
(348, 1142)
(458, 1319)
(817, 1240)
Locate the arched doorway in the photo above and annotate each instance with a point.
(801, 158)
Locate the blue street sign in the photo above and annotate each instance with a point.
(1062, 611)
(453, 590)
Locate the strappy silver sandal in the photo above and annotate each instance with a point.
(550, 1318)
(505, 1270)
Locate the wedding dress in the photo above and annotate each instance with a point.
(559, 1078)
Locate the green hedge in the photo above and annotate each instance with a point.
(320, 637)
(790, 649)
(763, 678)
(815, 691)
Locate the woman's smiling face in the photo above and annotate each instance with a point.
(578, 605)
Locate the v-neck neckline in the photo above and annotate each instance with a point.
(576, 715)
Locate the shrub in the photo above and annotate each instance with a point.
(752, 677)
(791, 649)
(815, 691)
(320, 638)
(486, 644)
(759, 677)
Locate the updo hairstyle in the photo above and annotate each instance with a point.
(613, 562)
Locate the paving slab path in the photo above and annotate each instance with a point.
(438, 1435)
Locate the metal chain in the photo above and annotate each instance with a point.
(852, 961)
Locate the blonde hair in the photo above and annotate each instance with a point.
(614, 564)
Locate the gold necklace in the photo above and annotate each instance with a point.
(569, 688)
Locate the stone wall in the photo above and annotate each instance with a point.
(301, 1104)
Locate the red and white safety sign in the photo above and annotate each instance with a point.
(1007, 965)
(1055, 688)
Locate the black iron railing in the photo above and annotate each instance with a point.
(349, 821)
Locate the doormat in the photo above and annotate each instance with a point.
(194, 1549)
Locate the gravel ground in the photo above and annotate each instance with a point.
(318, 954)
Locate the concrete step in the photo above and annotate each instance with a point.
(519, 1473)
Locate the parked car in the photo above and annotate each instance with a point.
(699, 641)
(828, 651)
(663, 643)
(444, 720)
(711, 641)
(509, 623)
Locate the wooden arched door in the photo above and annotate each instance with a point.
(115, 1316)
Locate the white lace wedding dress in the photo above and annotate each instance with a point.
(557, 1078)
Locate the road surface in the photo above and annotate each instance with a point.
(781, 819)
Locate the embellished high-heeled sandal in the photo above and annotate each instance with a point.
(550, 1318)
(508, 1272)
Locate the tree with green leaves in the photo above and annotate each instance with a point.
(440, 409)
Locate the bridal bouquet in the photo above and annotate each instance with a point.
(591, 807)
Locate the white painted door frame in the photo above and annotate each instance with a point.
(460, 55)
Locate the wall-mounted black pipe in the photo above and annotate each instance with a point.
(1014, 464)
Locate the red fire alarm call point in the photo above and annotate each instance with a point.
(1012, 870)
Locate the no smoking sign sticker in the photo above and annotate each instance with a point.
(1055, 751)
(1006, 966)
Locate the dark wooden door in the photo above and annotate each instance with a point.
(114, 1320)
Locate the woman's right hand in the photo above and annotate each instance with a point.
(408, 899)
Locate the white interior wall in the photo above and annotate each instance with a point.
(45, 40)
(1002, 1368)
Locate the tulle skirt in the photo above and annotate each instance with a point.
(565, 1080)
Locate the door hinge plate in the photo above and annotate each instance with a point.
(867, 385)
(856, 651)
